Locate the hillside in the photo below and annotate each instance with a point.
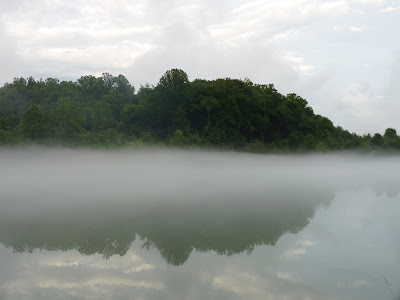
(223, 113)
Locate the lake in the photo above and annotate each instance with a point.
(165, 224)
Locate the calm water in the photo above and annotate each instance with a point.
(198, 225)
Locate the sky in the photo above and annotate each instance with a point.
(342, 56)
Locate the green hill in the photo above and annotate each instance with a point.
(223, 113)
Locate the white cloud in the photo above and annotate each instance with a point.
(286, 276)
(260, 19)
(267, 41)
(111, 281)
(101, 56)
(367, 66)
(351, 28)
(298, 64)
(357, 99)
(307, 243)
(284, 35)
(359, 110)
(301, 249)
(357, 28)
(239, 283)
(294, 253)
(268, 285)
(389, 9)
(359, 283)
(369, 2)
(11, 64)
(60, 33)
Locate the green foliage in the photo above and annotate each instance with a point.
(99, 116)
(228, 113)
(215, 136)
(310, 142)
(322, 147)
(5, 137)
(272, 148)
(393, 143)
(208, 103)
(109, 138)
(377, 140)
(9, 122)
(68, 118)
(256, 147)
(195, 140)
(179, 139)
(293, 142)
(390, 133)
(32, 123)
(147, 138)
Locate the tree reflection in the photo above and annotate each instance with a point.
(230, 224)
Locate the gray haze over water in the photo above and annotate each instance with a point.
(61, 177)
(311, 221)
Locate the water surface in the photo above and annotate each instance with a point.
(200, 225)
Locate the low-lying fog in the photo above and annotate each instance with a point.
(317, 226)
(174, 200)
(58, 177)
(53, 179)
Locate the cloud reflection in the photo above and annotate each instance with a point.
(149, 212)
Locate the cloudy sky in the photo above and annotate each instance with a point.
(343, 56)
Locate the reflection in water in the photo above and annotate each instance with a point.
(339, 214)
(227, 226)
(99, 202)
(343, 253)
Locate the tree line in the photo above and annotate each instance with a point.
(226, 113)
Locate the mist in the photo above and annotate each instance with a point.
(186, 218)
(173, 200)
(53, 176)
(58, 180)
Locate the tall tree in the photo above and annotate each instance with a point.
(32, 123)
(174, 93)
(68, 118)
(390, 133)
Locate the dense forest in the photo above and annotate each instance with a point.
(223, 113)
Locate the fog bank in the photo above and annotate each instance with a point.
(176, 201)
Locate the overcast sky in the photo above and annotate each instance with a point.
(342, 56)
